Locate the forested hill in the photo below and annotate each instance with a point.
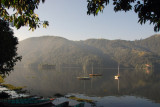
(60, 51)
(152, 44)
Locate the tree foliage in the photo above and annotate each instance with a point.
(8, 49)
(23, 13)
(147, 10)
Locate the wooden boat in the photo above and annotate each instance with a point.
(25, 102)
(83, 77)
(93, 73)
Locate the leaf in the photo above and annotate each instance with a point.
(97, 11)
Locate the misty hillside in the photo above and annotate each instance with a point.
(58, 50)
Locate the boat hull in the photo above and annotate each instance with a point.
(95, 74)
(83, 78)
(27, 105)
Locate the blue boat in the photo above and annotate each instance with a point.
(25, 102)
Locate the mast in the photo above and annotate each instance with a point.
(118, 69)
(92, 68)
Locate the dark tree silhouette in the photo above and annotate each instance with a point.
(23, 13)
(8, 49)
(147, 10)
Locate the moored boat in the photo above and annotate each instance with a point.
(117, 76)
(25, 102)
(83, 78)
(93, 73)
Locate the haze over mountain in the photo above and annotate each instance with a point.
(100, 52)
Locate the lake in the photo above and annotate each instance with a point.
(133, 88)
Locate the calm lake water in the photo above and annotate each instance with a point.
(134, 88)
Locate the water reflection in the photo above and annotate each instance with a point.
(49, 82)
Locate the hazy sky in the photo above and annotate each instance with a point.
(69, 19)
